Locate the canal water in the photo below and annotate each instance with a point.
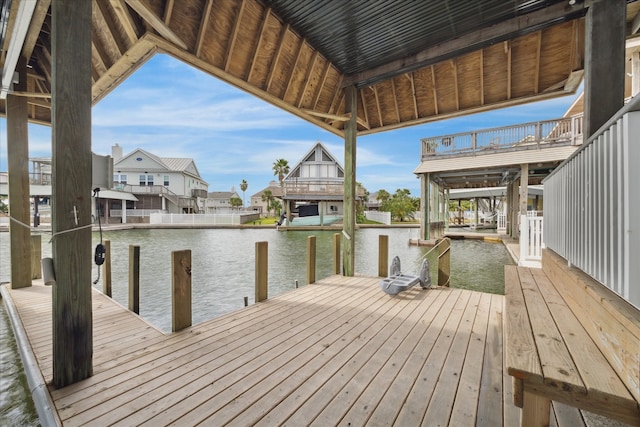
(223, 273)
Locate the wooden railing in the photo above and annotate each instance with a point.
(563, 131)
(589, 204)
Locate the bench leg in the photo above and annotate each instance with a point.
(535, 411)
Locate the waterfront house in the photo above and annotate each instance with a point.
(168, 184)
(259, 205)
(220, 201)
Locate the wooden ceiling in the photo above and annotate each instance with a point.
(299, 55)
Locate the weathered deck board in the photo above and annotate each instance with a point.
(339, 352)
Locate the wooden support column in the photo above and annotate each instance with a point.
(262, 271)
(349, 218)
(604, 62)
(134, 279)
(311, 259)
(71, 191)
(18, 157)
(36, 255)
(180, 289)
(106, 270)
(383, 255)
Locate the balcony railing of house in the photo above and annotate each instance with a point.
(534, 135)
(590, 205)
(318, 187)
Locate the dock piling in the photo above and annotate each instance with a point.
(106, 270)
(383, 255)
(134, 278)
(180, 290)
(336, 253)
(311, 259)
(36, 255)
(262, 267)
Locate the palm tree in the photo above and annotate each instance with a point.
(281, 169)
(243, 187)
(267, 196)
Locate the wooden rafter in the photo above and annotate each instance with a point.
(320, 88)
(96, 59)
(234, 36)
(338, 91)
(44, 58)
(103, 57)
(395, 99)
(31, 94)
(481, 76)
(413, 95)
(38, 18)
(364, 110)
(574, 42)
(258, 44)
(294, 67)
(334, 117)
(378, 109)
(101, 9)
(536, 77)
(125, 18)
(276, 59)
(168, 12)
(435, 91)
(456, 89)
(307, 77)
(157, 23)
(204, 24)
(507, 51)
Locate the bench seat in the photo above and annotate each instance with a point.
(551, 355)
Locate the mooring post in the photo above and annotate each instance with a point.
(311, 259)
(246, 301)
(36, 255)
(336, 253)
(106, 270)
(383, 255)
(444, 262)
(262, 277)
(180, 290)
(134, 278)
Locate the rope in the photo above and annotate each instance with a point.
(53, 235)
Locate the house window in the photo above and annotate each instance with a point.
(166, 181)
(143, 180)
(149, 180)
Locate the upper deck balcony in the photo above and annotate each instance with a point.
(527, 136)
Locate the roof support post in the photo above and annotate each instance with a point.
(604, 62)
(425, 202)
(349, 218)
(18, 156)
(71, 191)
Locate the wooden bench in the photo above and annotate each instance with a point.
(571, 340)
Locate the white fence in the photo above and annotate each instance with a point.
(531, 243)
(502, 222)
(588, 206)
(203, 219)
(378, 216)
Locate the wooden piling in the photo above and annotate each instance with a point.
(134, 278)
(180, 290)
(383, 255)
(444, 262)
(262, 276)
(36, 256)
(336, 253)
(106, 269)
(311, 259)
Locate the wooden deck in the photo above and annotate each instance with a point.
(338, 352)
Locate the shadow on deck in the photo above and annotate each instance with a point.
(338, 352)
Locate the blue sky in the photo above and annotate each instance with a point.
(173, 110)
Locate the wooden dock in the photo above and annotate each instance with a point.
(338, 352)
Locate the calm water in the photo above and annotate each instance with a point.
(223, 274)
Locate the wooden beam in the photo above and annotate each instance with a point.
(337, 92)
(204, 23)
(506, 30)
(112, 34)
(456, 89)
(364, 111)
(536, 77)
(349, 218)
(276, 58)
(157, 23)
(507, 49)
(413, 95)
(307, 77)
(635, 25)
(293, 68)
(395, 99)
(333, 117)
(126, 20)
(378, 109)
(37, 19)
(320, 88)
(103, 57)
(234, 36)
(168, 12)
(258, 45)
(435, 91)
(30, 94)
(71, 192)
(482, 76)
(18, 156)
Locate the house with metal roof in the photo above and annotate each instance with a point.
(167, 184)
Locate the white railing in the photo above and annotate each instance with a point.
(502, 221)
(531, 243)
(203, 219)
(378, 216)
(117, 213)
(589, 203)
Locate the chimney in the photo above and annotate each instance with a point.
(116, 153)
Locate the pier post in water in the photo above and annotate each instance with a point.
(134, 278)
(106, 270)
(444, 262)
(262, 264)
(180, 290)
(36, 255)
(311, 259)
(383, 255)
(336, 253)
